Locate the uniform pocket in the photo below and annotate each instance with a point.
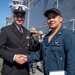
(59, 56)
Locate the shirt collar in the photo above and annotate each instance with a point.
(19, 27)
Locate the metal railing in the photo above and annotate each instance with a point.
(68, 24)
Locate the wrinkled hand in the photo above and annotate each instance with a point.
(20, 58)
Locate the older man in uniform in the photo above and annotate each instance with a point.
(14, 44)
(58, 48)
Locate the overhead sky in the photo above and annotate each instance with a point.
(4, 11)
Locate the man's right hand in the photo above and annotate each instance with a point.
(20, 58)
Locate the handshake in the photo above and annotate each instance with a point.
(20, 58)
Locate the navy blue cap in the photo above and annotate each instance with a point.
(52, 10)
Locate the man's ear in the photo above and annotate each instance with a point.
(61, 19)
